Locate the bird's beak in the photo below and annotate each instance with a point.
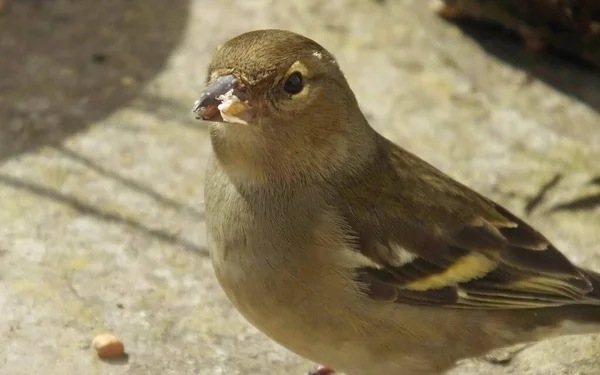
(225, 100)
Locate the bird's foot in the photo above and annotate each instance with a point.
(321, 370)
(503, 356)
(448, 11)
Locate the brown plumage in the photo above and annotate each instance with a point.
(348, 249)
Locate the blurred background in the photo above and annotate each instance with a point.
(102, 163)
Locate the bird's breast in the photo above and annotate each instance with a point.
(284, 278)
(284, 293)
(287, 268)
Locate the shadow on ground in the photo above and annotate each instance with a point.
(66, 64)
(567, 74)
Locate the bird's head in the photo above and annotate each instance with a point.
(279, 100)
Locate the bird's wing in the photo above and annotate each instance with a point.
(433, 241)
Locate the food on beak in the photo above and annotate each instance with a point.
(231, 107)
(223, 101)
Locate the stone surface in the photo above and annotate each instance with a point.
(101, 167)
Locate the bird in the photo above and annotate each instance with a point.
(351, 251)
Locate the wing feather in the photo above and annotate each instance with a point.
(436, 242)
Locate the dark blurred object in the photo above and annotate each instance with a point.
(569, 26)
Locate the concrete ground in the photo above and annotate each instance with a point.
(101, 167)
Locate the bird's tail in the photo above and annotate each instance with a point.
(582, 318)
(594, 279)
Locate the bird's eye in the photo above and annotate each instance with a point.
(294, 83)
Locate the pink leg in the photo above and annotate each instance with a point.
(321, 370)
